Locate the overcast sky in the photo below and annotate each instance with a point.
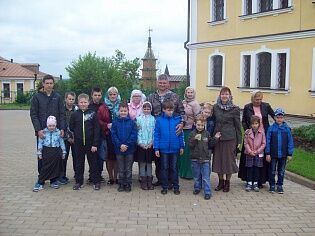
(54, 33)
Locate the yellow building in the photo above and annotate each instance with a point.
(255, 44)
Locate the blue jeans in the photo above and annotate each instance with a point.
(169, 166)
(145, 169)
(201, 175)
(124, 168)
(277, 164)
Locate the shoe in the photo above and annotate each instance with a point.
(97, 186)
(176, 191)
(102, 179)
(77, 186)
(62, 181)
(157, 183)
(248, 188)
(55, 185)
(143, 183)
(164, 191)
(226, 186)
(207, 196)
(128, 188)
(67, 179)
(149, 182)
(110, 182)
(272, 189)
(196, 191)
(38, 187)
(256, 188)
(280, 189)
(121, 188)
(220, 185)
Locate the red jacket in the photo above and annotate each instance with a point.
(104, 118)
(254, 142)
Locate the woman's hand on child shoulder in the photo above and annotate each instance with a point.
(93, 149)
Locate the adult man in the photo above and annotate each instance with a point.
(156, 99)
(45, 103)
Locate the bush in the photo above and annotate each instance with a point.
(306, 132)
(21, 98)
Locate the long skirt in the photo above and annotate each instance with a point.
(224, 157)
(144, 155)
(51, 163)
(184, 161)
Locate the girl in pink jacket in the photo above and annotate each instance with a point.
(255, 142)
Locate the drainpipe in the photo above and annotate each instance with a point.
(35, 78)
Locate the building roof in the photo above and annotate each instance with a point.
(149, 53)
(177, 78)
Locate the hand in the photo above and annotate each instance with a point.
(62, 133)
(123, 148)
(181, 151)
(40, 157)
(198, 137)
(142, 146)
(71, 140)
(217, 135)
(41, 134)
(289, 158)
(109, 125)
(63, 156)
(138, 126)
(179, 128)
(268, 158)
(149, 146)
(157, 153)
(93, 149)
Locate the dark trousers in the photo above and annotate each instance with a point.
(157, 163)
(253, 173)
(92, 157)
(277, 165)
(125, 168)
(64, 161)
(169, 174)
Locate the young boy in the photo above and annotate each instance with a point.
(124, 135)
(199, 142)
(279, 149)
(84, 125)
(210, 122)
(168, 145)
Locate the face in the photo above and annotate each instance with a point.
(70, 100)
(83, 104)
(48, 85)
(51, 127)
(207, 112)
(162, 85)
(225, 96)
(190, 93)
(96, 97)
(168, 112)
(257, 100)
(136, 98)
(123, 111)
(112, 96)
(146, 110)
(279, 119)
(200, 126)
(255, 125)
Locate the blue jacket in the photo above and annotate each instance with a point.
(51, 139)
(279, 141)
(165, 138)
(124, 131)
(145, 132)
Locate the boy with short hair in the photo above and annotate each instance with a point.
(168, 145)
(279, 149)
(84, 125)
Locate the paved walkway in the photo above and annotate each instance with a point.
(107, 212)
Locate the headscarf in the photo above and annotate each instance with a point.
(194, 94)
(228, 106)
(137, 91)
(113, 107)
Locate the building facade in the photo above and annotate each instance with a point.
(255, 44)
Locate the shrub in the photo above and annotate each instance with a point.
(306, 132)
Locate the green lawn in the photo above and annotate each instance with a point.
(303, 163)
(15, 106)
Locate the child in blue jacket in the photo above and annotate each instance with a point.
(168, 145)
(124, 136)
(279, 149)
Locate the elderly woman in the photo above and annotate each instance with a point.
(135, 105)
(263, 110)
(192, 108)
(227, 117)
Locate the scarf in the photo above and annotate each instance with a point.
(113, 107)
(228, 106)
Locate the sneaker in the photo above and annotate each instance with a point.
(110, 182)
(164, 191)
(196, 191)
(38, 187)
(207, 196)
(176, 191)
(55, 185)
(77, 186)
(128, 188)
(248, 188)
(62, 181)
(121, 188)
(102, 179)
(256, 188)
(280, 189)
(272, 189)
(97, 186)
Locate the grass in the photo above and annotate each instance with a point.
(14, 106)
(303, 163)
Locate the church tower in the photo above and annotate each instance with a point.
(149, 66)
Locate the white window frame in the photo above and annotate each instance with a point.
(212, 20)
(313, 75)
(19, 82)
(10, 88)
(216, 53)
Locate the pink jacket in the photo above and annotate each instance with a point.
(254, 143)
(134, 110)
(191, 110)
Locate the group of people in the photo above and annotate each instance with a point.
(180, 137)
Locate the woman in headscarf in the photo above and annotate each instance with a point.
(135, 105)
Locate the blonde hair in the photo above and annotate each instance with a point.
(207, 105)
(200, 117)
(256, 93)
(83, 96)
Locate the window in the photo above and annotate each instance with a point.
(246, 71)
(281, 70)
(216, 73)
(6, 90)
(218, 10)
(250, 7)
(284, 4)
(19, 87)
(264, 70)
(264, 5)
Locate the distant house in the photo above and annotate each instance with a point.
(174, 80)
(17, 77)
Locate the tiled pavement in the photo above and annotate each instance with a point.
(107, 212)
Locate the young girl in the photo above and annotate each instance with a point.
(124, 135)
(145, 152)
(51, 149)
(255, 142)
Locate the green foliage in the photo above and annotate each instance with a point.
(62, 86)
(180, 90)
(24, 98)
(306, 132)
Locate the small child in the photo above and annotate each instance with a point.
(145, 153)
(51, 149)
(168, 145)
(199, 142)
(207, 113)
(255, 143)
(124, 135)
(86, 130)
(279, 149)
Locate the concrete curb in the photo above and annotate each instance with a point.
(300, 180)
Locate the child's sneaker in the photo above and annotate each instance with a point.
(207, 196)
(54, 185)
(77, 186)
(248, 187)
(62, 181)
(121, 188)
(176, 191)
(128, 188)
(272, 189)
(256, 188)
(37, 187)
(164, 191)
(196, 191)
(280, 189)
